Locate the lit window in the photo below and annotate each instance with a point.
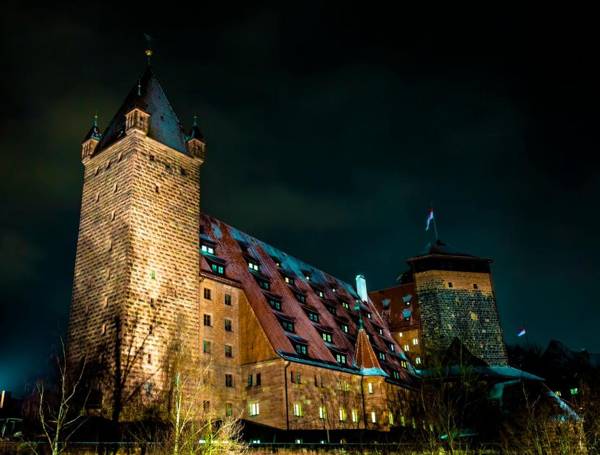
(415, 341)
(228, 409)
(341, 358)
(574, 391)
(373, 417)
(403, 363)
(288, 280)
(298, 409)
(322, 412)
(275, 304)
(301, 348)
(370, 387)
(326, 337)
(254, 408)
(320, 294)
(343, 415)
(228, 325)
(103, 329)
(418, 360)
(313, 316)
(217, 268)
(390, 418)
(207, 295)
(380, 331)
(288, 326)
(264, 284)
(207, 249)
(369, 316)
(207, 320)
(345, 305)
(228, 351)
(392, 347)
(400, 334)
(206, 346)
(395, 374)
(307, 276)
(355, 415)
(406, 347)
(345, 328)
(381, 355)
(228, 380)
(253, 266)
(228, 299)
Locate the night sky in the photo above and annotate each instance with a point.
(330, 130)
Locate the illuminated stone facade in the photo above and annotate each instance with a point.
(444, 295)
(151, 269)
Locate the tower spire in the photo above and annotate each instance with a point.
(148, 51)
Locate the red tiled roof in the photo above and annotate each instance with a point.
(234, 246)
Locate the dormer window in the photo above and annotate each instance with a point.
(300, 297)
(395, 374)
(345, 304)
(313, 316)
(301, 348)
(254, 266)
(307, 276)
(277, 261)
(326, 337)
(207, 249)
(287, 325)
(341, 358)
(288, 280)
(369, 316)
(217, 268)
(392, 347)
(331, 309)
(275, 304)
(381, 355)
(380, 330)
(345, 328)
(320, 293)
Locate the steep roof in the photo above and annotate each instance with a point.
(330, 299)
(148, 95)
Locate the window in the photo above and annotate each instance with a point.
(182, 171)
(301, 349)
(395, 374)
(275, 304)
(415, 341)
(574, 391)
(307, 276)
(206, 406)
(258, 379)
(406, 347)
(313, 316)
(475, 286)
(403, 363)
(264, 284)
(331, 309)
(301, 298)
(295, 377)
(207, 249)
(298, 409)
(253, 266)
(206, 346)
(207, 320)
(381, 355)
(341, 358)
(370, 387)
(228, 299)
(254, 408)
(320, 293)
(343, 415)
(207, 295)
(288, 280)
(149, 358)
(392, 347)
(418, 361)
(228, 380)
(288, 326)
(322, 412)
(380, 330)
(450, 285)
(373, 417)
(390, 418)
(104, 329)
(345, 328)
(249, 380)
(369, 315)
(156, 188)
(228, 409)
(228, 350)
(228, 325)
(217, 268)
(355, 415)
(345, 305)
(326, 337)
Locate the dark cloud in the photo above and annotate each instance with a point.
(330, 130)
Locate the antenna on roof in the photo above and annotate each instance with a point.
(96, 120)
(148, 51)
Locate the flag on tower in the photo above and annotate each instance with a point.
(429, 219)
(521, 332)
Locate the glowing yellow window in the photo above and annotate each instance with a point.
(343, 415)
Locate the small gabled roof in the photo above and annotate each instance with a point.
(148, 95)
(366, 360)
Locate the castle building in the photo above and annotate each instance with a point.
(287, 346)
(443, 296)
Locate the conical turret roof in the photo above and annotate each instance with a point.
(148, 95)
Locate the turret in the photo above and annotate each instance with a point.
(90, 141)
(196, 145)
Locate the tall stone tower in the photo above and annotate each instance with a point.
(136, 280)
(444, 295)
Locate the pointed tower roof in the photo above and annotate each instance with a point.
(148, 95)
(366, 359)
(94, 132)
(195, 132)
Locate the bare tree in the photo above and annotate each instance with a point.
(61, 411)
